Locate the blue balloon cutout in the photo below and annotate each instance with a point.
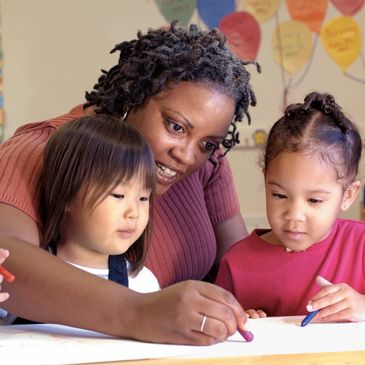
(212, 11)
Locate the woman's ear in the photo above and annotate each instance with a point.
(350, 195)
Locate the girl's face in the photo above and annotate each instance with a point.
(109, 228)
(303, 200)
(183, 126)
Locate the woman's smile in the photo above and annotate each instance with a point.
(165, 175)
(178, 125)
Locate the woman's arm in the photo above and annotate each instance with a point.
(228, 233)
(223, 207)
(47, 289)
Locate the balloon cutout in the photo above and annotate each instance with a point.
(348, 7)
(342, 40)
(212, 11)
(311, 12)
(181, 10)
(292, 45)
(262, 10)
(243, 34)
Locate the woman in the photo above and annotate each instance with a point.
(184, 91)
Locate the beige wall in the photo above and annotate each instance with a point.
(54, 50)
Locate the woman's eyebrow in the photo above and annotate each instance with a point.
(187, 121)
(190, 124)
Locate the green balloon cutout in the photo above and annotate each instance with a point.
(180, 10)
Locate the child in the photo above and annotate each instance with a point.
(310, 165)
(3, 296)
(96, 190)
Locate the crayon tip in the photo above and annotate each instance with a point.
(247, 335)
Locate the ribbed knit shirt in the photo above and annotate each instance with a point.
(183, 244)
(265, 276)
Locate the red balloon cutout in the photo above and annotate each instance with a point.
(243, 34)
(348, 7)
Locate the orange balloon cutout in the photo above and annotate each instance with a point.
(243, 34)
(341, 37)
(292, 45)
(311, 12)
(262, 10)
(348, 7)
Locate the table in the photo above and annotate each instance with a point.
(329, 358)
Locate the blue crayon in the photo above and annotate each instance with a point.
(322, 282)
(308, 318)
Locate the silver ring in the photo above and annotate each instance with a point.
(203, 324)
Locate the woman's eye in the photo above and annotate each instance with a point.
(175, 127)
(144, 199)
(210, 146)
(117, 196)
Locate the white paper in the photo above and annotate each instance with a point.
(55, 344)
(284, 335)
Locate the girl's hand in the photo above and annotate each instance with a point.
(255, 313)
(3, 255)
(338, 303)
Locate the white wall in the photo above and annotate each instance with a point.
(54, 50)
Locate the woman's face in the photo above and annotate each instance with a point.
(183, 125)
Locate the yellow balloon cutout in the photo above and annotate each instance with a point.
(262, 10)
(342, 40)
(292, 45)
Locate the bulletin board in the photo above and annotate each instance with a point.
(302, 29)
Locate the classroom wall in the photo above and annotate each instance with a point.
(54, 50)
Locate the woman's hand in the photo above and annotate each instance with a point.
(338, 303)
(176, 314)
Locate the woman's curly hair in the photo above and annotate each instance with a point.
(162, 57)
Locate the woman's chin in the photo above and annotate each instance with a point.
(163, 184)
(162, 188)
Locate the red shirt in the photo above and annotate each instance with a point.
(265, 276)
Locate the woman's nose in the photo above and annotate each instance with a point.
(185, 154)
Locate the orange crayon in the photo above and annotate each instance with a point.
(9, 277)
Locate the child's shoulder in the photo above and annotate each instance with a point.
(246, 243)
(350, 226)
(349, 223)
